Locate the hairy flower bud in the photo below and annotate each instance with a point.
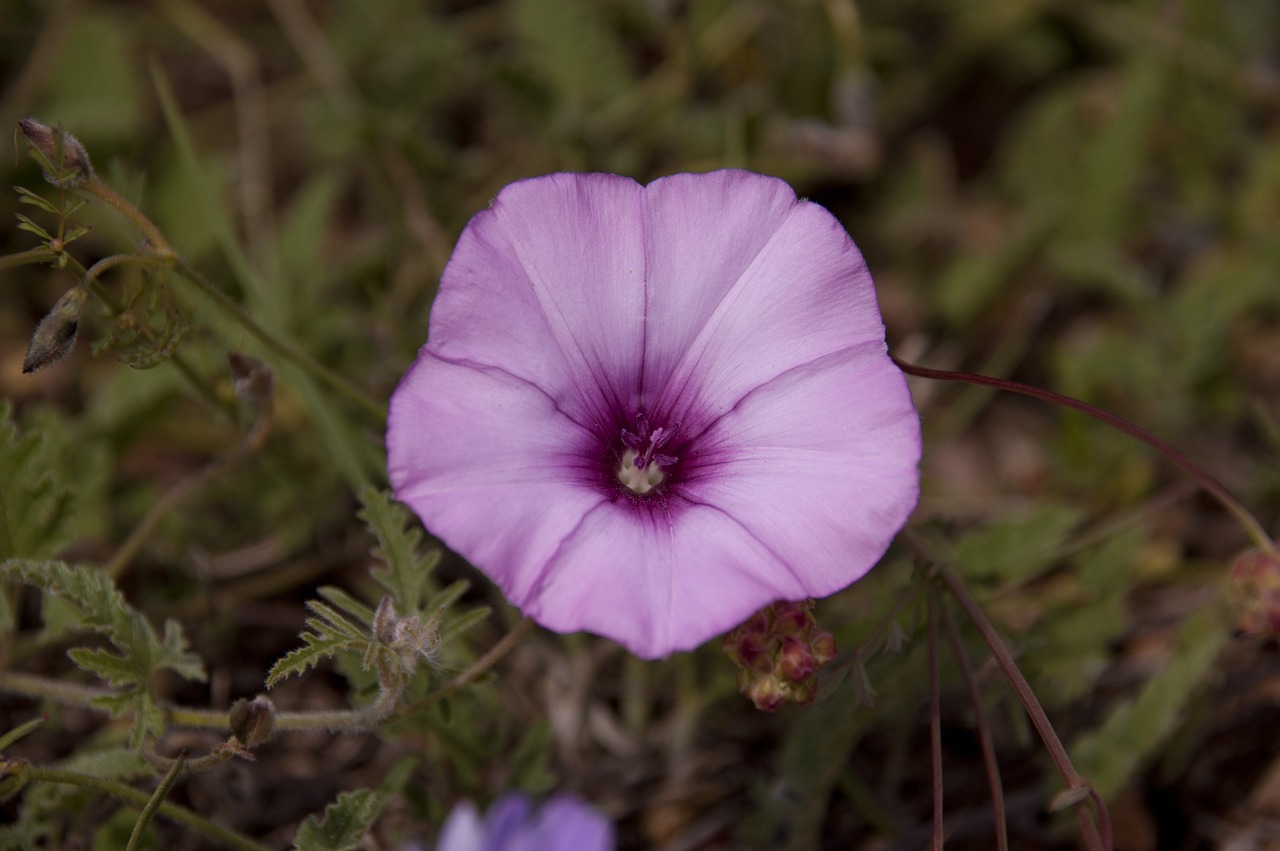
(253, 721)
(63, 159)
(779, 651)
(55, 336)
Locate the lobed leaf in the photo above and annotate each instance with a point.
(343, 825)
(407, 574)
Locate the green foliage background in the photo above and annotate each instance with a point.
(1083, 195)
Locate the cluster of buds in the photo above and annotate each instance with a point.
(1255, 580)
(779, 650)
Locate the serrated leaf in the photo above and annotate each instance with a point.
(298, 661)
(330, 622)
(101, 608)
(407, 574)
(343, 825)
(347, 603)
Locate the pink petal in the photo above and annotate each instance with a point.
(548, 284)
(793, 463)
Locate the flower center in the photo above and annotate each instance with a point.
(642, 463)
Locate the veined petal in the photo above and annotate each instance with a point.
(806, 294)
(648, 412)
(676, 575)
(490, 465)
(702, 232)
(815, 490)
(548, 283)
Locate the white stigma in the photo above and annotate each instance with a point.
(640, 480)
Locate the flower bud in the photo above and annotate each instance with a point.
(55, 336)
(253, 721)
(1255, 580)
(778, 651)
(63, 159)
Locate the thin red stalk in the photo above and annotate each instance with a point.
(984, 730)
(1251, 525)
(1031, 704)
(935, 719)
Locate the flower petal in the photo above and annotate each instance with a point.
(490, 465)
(548, 283)
(805, 294)
(565, 821)
(463, 830)
(828, 490)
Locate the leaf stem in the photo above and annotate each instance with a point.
(279, 346)
(31, 773)
(1215, 488)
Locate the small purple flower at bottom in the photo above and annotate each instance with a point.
(648, 411)
(512, 824)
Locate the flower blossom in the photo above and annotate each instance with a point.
(648, 411)
(511, 824)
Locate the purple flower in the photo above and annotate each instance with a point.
(647, 411)
(511, 825)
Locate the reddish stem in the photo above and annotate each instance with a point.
(1251, 525)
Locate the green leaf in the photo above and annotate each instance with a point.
(407, 574)
(100, 607)
(299, 660)
(1017, 549)
(26, 196)
(36, 508)
(103, 663)
(343, 825)
(1109, 755)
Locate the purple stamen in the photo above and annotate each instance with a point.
(646, 442)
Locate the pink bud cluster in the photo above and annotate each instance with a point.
(1255, 580)
(779, 650)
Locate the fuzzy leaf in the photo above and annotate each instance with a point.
(343, 825)
(100, 607)
(407, 573)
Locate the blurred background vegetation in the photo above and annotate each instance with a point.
(1081, 194)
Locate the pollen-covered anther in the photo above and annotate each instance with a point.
(642, 463)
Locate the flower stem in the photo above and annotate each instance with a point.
(935, 719)
(985, 741)
(1215, 488)
(31, 773)
(484, 663)
(279, 346)
(1077, 787)
(167, 256)
(95, 187)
